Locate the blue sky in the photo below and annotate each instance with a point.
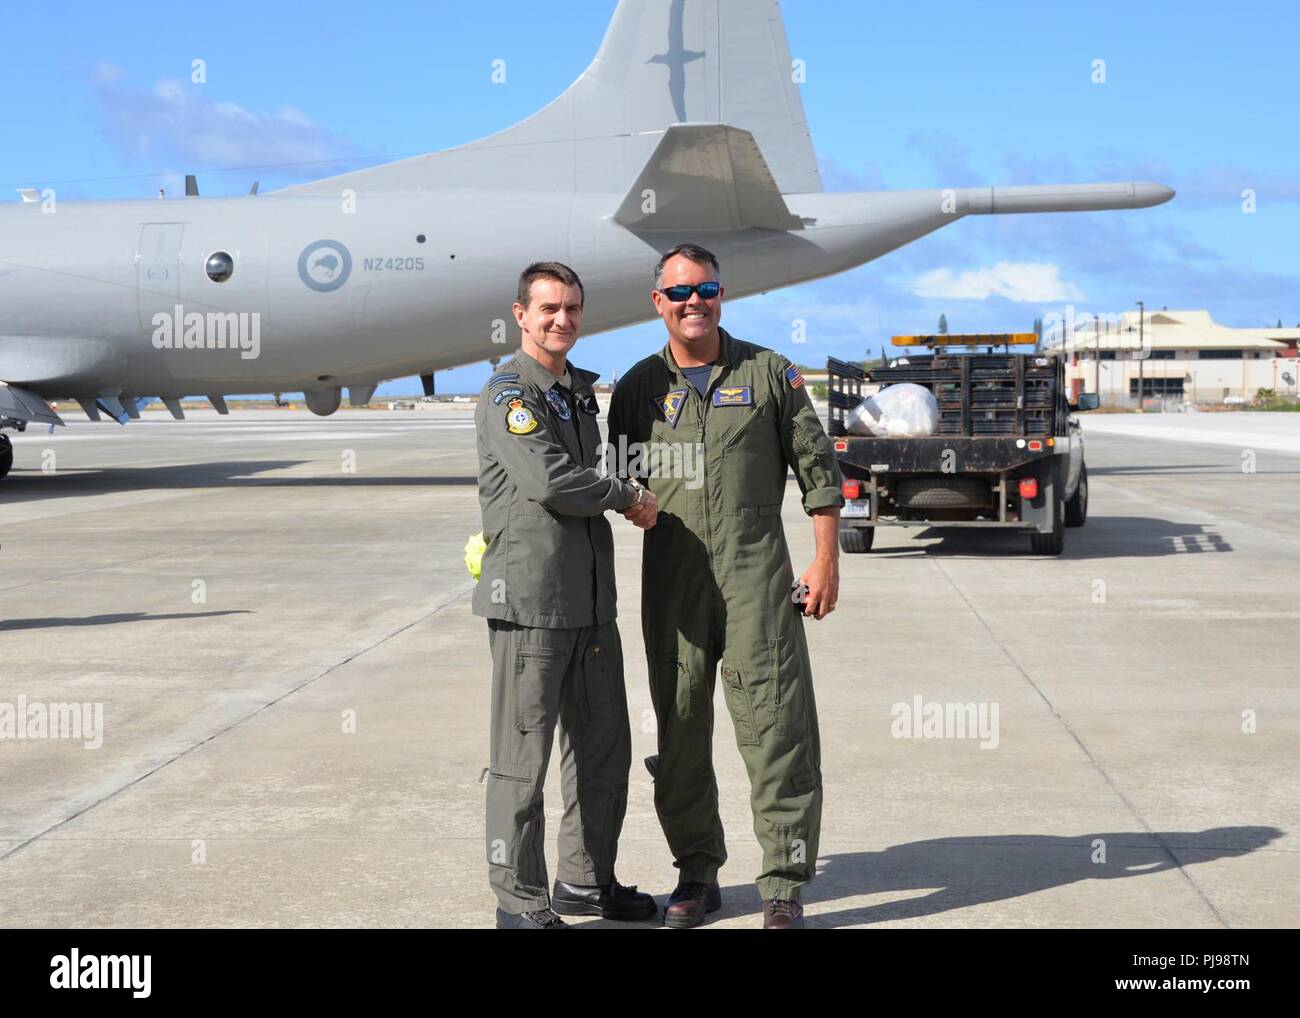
(1197, 96)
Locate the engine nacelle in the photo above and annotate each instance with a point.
(323, 402)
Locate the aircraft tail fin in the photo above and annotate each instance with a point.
(662, 62)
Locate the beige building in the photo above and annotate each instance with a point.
(1181, 356)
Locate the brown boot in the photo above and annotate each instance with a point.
(690, 903)
(779, 914)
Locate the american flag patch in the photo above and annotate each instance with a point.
(793, 377)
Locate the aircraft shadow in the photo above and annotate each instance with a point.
(945, 874)
(7, 625)
(1101, 537)
(1178, 469)
(29, 485)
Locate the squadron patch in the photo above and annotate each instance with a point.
(507, 393)
(671, 405)
(793, 377)
(733, 395)
(519, 419)
(555, 399)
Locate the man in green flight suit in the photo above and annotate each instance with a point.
(714, 424)
(547, 591)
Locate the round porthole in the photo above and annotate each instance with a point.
(219, 266)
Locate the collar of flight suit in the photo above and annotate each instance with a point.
(728, 357)
(531, 371)
(580, 384)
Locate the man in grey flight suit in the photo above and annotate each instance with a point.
(547, 590)
(717, 586)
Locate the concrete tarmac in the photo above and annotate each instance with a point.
(273, 612)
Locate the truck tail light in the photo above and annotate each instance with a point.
(851, 489)
(1035, 445)
(1029, 487)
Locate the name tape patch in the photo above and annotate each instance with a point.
(733, 395)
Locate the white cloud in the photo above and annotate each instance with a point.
(1022, 282)
(176, 121)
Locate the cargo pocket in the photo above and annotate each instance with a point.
(786, 681)
(538, 675)
(512, 804)
(740, 703)
(601, 701)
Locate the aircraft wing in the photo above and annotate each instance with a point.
(20, 405)
(706, 177)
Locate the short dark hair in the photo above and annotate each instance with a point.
(692, 252)
(558, 271)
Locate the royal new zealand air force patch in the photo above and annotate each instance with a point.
(556, 401)
(671, 405)
(519, 419)
(733, 395)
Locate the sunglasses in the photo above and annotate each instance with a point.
(682, 292)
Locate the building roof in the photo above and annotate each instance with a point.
(1165, 330)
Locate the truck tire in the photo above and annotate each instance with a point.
(6, 455)
(1053, 542)
(1076, 510)
(940, 492)
(856, 540)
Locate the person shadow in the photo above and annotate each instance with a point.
(946, 874)
(958, 873)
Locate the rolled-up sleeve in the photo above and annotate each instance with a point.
(806, 446)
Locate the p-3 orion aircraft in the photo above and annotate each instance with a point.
(688, 125)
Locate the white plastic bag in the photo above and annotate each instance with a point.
(904, 410)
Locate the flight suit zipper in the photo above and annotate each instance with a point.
(706, 488)
(582, 451)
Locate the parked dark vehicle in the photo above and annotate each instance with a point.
(1008, 452)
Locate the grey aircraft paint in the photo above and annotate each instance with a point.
(334, 288)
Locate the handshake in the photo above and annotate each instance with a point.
(644, 512)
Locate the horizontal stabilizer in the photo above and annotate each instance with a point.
(1063, 197)
(706, 177)
(20, 405)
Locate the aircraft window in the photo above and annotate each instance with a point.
(219, 267)
(420, 239)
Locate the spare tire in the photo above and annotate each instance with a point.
(941, 491)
